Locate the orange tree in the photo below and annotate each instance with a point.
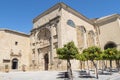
(68, 52)
(82, 58)
(92, 54)
(110, 54)
(103, 57)
(118, 60)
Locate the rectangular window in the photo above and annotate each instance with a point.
(6, 60)
(33, 51)
(39, 51)
(16, 43)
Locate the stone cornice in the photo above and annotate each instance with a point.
(67, 8)
(52, 21)
(106, 19)
(15, 32)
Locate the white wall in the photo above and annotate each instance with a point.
(109, 32)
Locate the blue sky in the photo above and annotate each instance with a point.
(18, 14)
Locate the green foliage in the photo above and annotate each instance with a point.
(118, 55)
(81, 57)
(92, 53)
(69, 51)
(103, 56)
(110, 53)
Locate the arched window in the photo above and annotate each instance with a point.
(83, 30)
(71, 23)
(110, 44)
(81, 36)
(43, 36)
(91, 38)
(43, 33)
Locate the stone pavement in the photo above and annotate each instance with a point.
(53, 75)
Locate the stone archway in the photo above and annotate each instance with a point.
(81, 37)
(44, 34)
(15, 63)
(46, 61)
(44, 39)
(110, 45)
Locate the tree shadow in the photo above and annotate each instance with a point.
(62, 75)
(84, 74)
(114, 70)
(105, 73)
(108, 72)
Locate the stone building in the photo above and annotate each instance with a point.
(52, 29)
(109, 30)
(14, 50)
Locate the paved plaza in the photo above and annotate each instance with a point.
(53, 75)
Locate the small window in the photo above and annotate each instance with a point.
(39, 51)
(82, 28)
(33, 44)
(71, 23)
(16, 43)
(33, 51)
(6, 66)
(6, 60)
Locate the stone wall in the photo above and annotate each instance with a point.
(14, 45)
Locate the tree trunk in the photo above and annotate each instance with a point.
(117, 64)
(103, 66)
(110, 66)
(106, 65)
(116, 61)
(96, 71)
(88, 67)
(81, 65)
(69, 70)
(91, 65)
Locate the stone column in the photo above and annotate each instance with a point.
(38, 57)
(85, 40)
(95, 39)
(118, 22)
(36, 51)
(59, 28)
(51, 46)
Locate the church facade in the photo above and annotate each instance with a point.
(52, 29)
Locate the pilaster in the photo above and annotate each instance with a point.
(51, 45)
(118, 22)
(36, 51)
(85, 40)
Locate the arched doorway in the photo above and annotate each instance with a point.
(110, 45)
(15, 63)
(46, 61)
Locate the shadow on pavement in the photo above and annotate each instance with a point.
(84, 74)
(62, 75)
(105, 73)
(108, 72)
